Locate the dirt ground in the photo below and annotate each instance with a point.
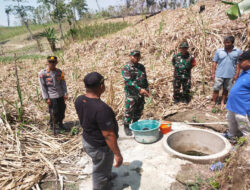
(200, 116)
(237, 172)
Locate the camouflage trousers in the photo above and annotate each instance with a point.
(133, 109)
(185, 84)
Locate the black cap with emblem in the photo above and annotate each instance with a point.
(93, 80)
(52, 59)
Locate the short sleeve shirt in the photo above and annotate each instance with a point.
(226, 62)
(95, 116)
(239, 97)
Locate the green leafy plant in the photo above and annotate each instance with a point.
(227, 160)
(73, 33)
(74, 131)
(162, 23)
(241, 141)
(75, 74)
(96, 30)
(49, 33)
(195, 186)
(215, 110)
(214, 184)
(237, 9)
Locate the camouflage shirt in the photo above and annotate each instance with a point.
(183, 65)
(135, 78)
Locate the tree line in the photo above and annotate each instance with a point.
(47, 11)
(59, 11)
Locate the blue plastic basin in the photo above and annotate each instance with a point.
(146, 131)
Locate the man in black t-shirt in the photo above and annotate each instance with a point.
(100, 131)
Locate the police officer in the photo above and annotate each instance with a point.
(136, 88)
(183, 62)
(54, 91)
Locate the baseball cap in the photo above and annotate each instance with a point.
(135, 52)
(52, 59)
(184, 45)
(244, 56)
(93, 80)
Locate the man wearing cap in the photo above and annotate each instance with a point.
(224, 69)
(54, 91)
(183, 62)
(238, 104)
(100, 131)
(136, 88)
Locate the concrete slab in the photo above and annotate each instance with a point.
(146, 166)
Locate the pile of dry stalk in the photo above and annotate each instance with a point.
(28, 152)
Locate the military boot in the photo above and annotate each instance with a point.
(127, 130)
(62, 127)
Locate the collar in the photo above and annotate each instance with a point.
(132, 64)
(234, 49)
(48, 70)
(185, 57)
(248, 71)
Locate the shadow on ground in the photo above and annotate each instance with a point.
(4, 42)
(129, 175)
(70, 124)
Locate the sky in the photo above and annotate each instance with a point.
(14, 21)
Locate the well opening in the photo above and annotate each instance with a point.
(195, 144)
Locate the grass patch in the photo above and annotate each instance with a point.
(9, 32)
(96, 30)
(5, 59)
(24, 49)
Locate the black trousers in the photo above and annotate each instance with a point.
(57, 109)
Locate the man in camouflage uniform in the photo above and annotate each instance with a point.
(54, 91)
(136, 87)
(183, 62)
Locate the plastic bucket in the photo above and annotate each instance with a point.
(165, 127)
(146, 131)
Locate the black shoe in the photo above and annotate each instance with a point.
(62, 127)
(176, 101)
(232, 139)
(127, 131)
(185, 101)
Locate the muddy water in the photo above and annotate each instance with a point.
(194, 153)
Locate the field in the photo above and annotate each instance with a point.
(30, 152)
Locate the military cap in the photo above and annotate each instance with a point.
(52, 59)
(184, 45)
(93, 80)
(244, 56)
(135, 52)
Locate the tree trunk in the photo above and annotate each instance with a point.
(8, 19)
(27, 27)
(74, 13)
(98, 5)
(52, 46)
(60, 26)
(166, 4)
(39, 46)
